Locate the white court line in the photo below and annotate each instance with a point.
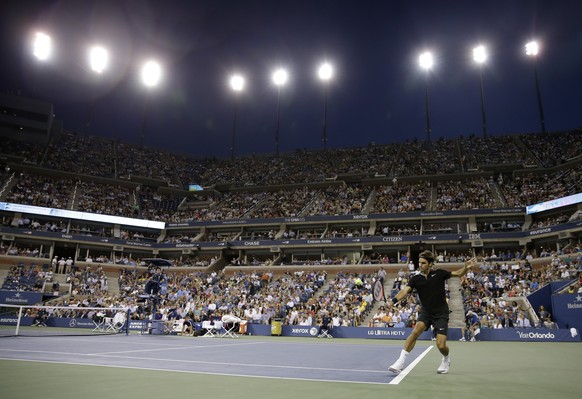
(37, 351)
(172, 348)
(396, 380)
(195, 372)
(246, 365)
(127, 342)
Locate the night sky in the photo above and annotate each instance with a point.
(377, 94)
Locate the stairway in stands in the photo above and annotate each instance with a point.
(113, 283)
(457, 317)
(3, 274)
(325, 287)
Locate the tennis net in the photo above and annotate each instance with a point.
(16, 320)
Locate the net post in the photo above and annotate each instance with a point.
(87, 326)
(18, 320)
(127, 322)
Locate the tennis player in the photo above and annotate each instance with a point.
(429, 283)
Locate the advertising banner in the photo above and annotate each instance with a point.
(376, 332)
(20, 297)
(567, 310)
(300, 331)
(529, 335)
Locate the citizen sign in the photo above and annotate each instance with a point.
(391, 239)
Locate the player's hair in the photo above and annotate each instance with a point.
(429, 256)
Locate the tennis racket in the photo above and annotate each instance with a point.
(379, 291)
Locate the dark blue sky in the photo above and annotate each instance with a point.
(377, 94)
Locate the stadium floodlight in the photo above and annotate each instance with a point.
(280, 78)
(426, 62)
(98, 59)
(237, 83)
(41, 49)
(325, 73)
(480, 56)
(532, 49)
(42, 46)
(151, 73)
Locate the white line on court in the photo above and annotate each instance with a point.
(125, 342)
(396, 380)
(389, 380)
(44, 352)
(194, 372)
(245, 365)
(172, 348)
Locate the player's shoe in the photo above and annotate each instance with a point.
(473, 339)
(444, 367)
(397, 366)
(462, 339)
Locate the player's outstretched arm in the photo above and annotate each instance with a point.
(401, 295)
(463, 270)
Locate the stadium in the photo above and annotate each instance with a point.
(312, 241)
(131, 270)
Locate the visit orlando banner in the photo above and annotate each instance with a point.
(530, 335)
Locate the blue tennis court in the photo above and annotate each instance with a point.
(334, 361)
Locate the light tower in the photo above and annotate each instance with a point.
(280, 77)
(151, 73)
(42, 48)
(98, 62)
(425, 61)
(532, 50)
(237, 83)
(480, 56)
(325, 73)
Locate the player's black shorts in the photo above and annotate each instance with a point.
(440, 321)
